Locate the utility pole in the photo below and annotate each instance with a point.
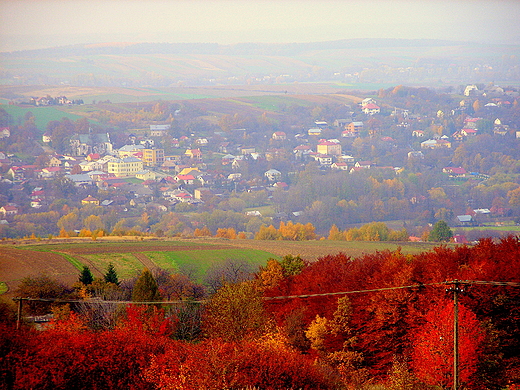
(19, 312)
(456, 290)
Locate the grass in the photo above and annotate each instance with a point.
(72, 260)
(43, 115)
(203, 260)
(126, 264)
(3, 288)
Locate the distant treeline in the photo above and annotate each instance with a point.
(285, 49)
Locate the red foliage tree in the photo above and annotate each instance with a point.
(433, 349)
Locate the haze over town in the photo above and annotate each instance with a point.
(31, 24)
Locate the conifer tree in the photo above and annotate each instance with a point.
(145, 288)
(111, 275)
(86, 276)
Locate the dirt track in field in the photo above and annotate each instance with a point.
(15, 264)
(86, 250)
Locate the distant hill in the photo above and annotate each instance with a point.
(351, 61)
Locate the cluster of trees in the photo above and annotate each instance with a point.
(287, 231)
(270, 331)
(375, 231)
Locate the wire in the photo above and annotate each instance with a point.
(452, 282)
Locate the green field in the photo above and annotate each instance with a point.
(43, 115)
(202, 260)
(126, 264)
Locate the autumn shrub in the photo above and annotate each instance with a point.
(215, 364)
(68, 356)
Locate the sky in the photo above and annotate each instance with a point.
(31, 24)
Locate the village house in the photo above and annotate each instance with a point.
(371, 109)
(455, 171)
(194, 154)
(436, 144)
(129, 150)
(279, 136)
(343, 166)
(5, 132)
(159, 130)
(8, 211)
(145, 175)
(273, 175)
(90, 200)
(301, 151)
(328, 147)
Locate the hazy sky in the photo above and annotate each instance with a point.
(27, 24)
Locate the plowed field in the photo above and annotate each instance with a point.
(15, 264)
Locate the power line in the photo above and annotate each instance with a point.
(477, 282)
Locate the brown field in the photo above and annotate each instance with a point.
(15, 264)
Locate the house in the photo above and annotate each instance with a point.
(371, 109)
(354, 128)
(324, 159)
(90, 200)
(50, 172)
(127, 166)
(363, 164)
(348, 159)
(5, 132)
(281, 185)
(314, 131)
(321, 124)
(8, 211)
(279, 136)
(84, 144)
(194, 154)
(247, 150)
(367, 101)
(153, 157)
(468, 132)
(81, 179)
(273, 175)
(145, 175)
(343, 166)
(465, 220)
(227, 159)
(455, 171)
(159, 130)
(129, 150)
(418, 133)
(436, 144)
(328, 147)
(301, 151)
(187, 179)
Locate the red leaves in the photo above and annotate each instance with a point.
(218, 365)
(433, 349)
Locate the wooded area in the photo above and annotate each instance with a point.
(383, 319)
